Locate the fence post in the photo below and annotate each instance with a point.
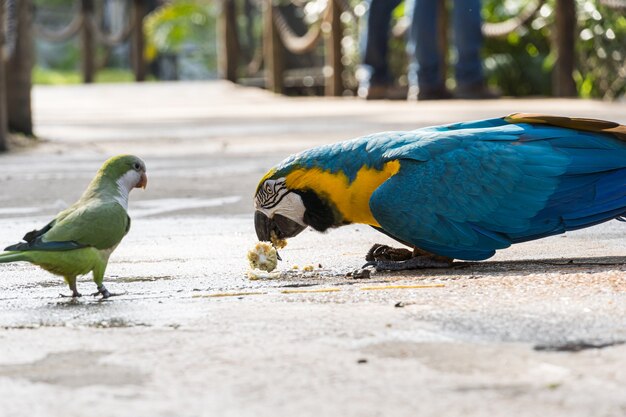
(273, 51)
(88, 53)
(138, 41)
(3, 98)
(333, 68)
(228, 44)
(18, 71)
(565, 13)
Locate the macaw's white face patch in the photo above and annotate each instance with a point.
(274, 197)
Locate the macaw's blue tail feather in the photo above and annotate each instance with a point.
(12, 257)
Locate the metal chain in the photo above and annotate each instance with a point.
(10, 28)
(494, 30)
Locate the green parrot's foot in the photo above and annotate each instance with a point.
(386, 258)
(105, 293)
(75, 294)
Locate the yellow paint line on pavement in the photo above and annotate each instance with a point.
(320, 290)
(310, 291)
(228, 294)
(402, 287)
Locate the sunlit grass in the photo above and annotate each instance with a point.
(46, 76)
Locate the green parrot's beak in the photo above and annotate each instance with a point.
(143, 181)
(282, 226)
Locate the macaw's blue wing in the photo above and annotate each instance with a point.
(465, 190)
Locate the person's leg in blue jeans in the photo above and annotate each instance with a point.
(423, 50)
(468, 39)
(425, 57)
(374, 45)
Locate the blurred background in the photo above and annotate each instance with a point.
(570, 48)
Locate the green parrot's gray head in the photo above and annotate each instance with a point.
(128, 171)
(118, 176)
(279, 212)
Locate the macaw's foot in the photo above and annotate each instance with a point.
(380, 252)
(105, 293)
(386, 258)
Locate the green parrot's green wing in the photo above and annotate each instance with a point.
(97, 224)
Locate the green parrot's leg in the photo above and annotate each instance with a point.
(71, 281)
(386, 258)
(98, 277)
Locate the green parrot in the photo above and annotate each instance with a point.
(81, 238)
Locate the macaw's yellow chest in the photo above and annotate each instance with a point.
(350, 198)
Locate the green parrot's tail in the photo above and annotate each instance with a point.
(12, 257)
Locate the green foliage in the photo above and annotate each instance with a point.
(115, 75)
(173, 25)
(521, 63)
(47, 76)
(54, 3)
(62, 56)
(601, 51)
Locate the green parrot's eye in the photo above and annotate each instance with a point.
(137, 166)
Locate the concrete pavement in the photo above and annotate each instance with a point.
(192, 336)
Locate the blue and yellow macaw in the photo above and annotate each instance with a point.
(459, 191)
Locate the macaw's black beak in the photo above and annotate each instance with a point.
(282, 227)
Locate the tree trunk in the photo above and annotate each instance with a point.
(18, 72)
(564, 85)
(273, 51)
(3, 103)
(229, 50)
(137, 41)
(333, 65)
(87, 43)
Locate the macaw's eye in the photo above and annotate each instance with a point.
(268, 188)
(137, 166)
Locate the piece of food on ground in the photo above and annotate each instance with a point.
(263, 256)
(255, 274)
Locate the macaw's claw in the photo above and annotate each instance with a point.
(417, 262)
(105, 293)
(386, 258)
(360, 273)
(380, 252)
